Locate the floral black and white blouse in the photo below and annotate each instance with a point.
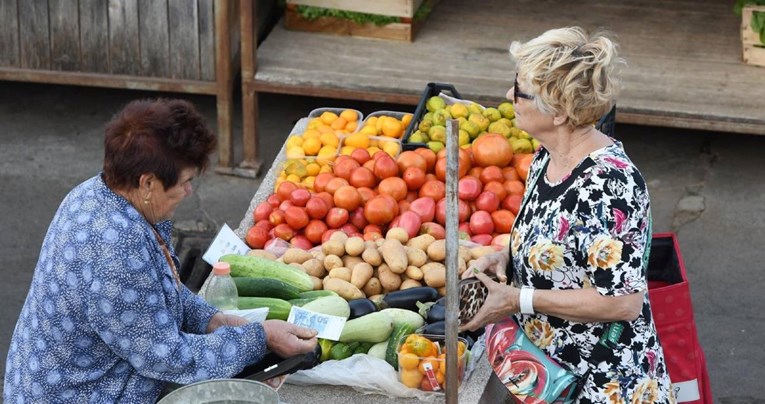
(591, 229)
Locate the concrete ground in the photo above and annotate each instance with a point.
(707, 187)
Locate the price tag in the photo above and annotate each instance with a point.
(225, 242)
(329, 327)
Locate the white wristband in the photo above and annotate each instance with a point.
(527, 300)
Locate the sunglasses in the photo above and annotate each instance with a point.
(518, 93)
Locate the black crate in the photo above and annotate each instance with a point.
(431, 89)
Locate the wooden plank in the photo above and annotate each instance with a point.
(9, 33)
(683, 58)
(124, 39)
(64, 35)
(94, 36)
(396, 8)
(340, 26)
(206, 40)
(754, 55)
(34, 34)
(155, 38)
(184, 39)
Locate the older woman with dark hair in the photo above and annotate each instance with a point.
(107, 318)
(577, 255)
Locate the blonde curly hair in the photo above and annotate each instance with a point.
(570, 72)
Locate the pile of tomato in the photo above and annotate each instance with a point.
(422, 363)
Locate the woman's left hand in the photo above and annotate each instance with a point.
(502, 301)
(221, 320)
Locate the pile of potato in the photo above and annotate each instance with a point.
(355, 268)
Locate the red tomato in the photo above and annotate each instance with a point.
(411, 159)
(356, 218)
(366, 194)
(316, 207)
(363, 177)
(481, 223)
(262, 211)
(321, 181)
(464, 227)
(360, 155)
(371, 236)
(410, 222)
(300, 196)
(315, 230)
(510, 174)
(425, 207)
(276, 217)
(284, 190)
(301, 241)
(512, 203)
(336, 217)
(514, 187)
(264, 223)
(285, 204)
(273, 200)
(349, 229)
(327, 198)
(392, 203)
(487, 201)
(434, 189)
(345, 168)
(256, 237)
(403, 205)
(503, 220)
(334, 184)
(497, 187)
(372, 228)
(393, 186)
(378, 211)
(482, 239)
(491, 173)
(429, 156)
(296, 217)
(414, 178)
(327, 234)
(347, 197)
(463, 211)
(284, 232)
(434, 229)
(385, 166)
(469, 188)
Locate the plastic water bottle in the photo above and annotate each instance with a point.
(221, 292)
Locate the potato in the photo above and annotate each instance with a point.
(296, 265)
(317, 284)
(397, 233)
(379, 242)
(297, 255)
(354, 246)
(345, 289)
(332, 261)
(414, 272)
(339, 236)
(314, 267)
(421, 242)
(318, 254)
(361, 274)
(478, 252)
(434, 274)
(416, 256)
(394, 255)
(262, 254)
(371, 256)
(461, 266)
(437, 250)
(463, 253)
(333, 247)
(341, 273)
(350, 261)
(373, 287)
(410, 283)
(389, 280)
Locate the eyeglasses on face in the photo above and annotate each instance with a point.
(518, 93)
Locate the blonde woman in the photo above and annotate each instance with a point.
(578, 244)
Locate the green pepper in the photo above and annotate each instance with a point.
(342, 350)
(326, 347)
(363, 348)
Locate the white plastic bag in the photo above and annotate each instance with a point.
(252, 315)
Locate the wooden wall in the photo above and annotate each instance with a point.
(149, 38)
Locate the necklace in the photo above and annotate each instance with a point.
(168, 257)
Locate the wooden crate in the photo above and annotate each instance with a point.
(753, 49)
(405, 30)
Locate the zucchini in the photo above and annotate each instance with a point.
(361, 307)
(400, 332)
(277, 308)
(257, 267)
(374, 327)
(379, 349)
(317, 293)
(332, 305)
(401, 316)
(299, 302)
(408, 298)
(265, 287)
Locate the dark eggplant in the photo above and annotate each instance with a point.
(437, 328)
(361, 307)
(436, 313)
(408, 298)
(441, 301)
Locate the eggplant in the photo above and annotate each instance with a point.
(361, 307)
(408, 298)
(437, 328)
(436, 313)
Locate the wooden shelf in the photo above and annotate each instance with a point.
(684, 66)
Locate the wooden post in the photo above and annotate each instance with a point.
(249, 41)
(223, 79)
(452, 248)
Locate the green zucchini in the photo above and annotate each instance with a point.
(379, 349)
(331, 305)
(300, 302)
(257, 267)
(266, 287)
(399, 334)
(404, 316)
(374, 327)
(317, 293)
(277, 308)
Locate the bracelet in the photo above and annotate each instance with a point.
(526, 300)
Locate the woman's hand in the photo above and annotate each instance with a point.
(491, 263)
(221, 320)
(287, 339)
(502, 301)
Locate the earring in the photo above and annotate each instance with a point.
(146, 201)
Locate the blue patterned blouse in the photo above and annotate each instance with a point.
(104, 321)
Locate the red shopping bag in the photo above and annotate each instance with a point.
(672, 310)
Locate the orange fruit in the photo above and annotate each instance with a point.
(391, 127)
(349, 115)
(329, 139)
(328, 117)
(411, 378)
(311, 146)
(357, 140)
(338, 123)
(406, 119)
(434, 363)
(408, 361)
(351, 126)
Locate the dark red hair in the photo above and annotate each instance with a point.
(162, 137)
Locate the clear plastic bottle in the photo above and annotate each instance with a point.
(221, 292)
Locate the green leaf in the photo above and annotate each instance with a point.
(758, 24)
